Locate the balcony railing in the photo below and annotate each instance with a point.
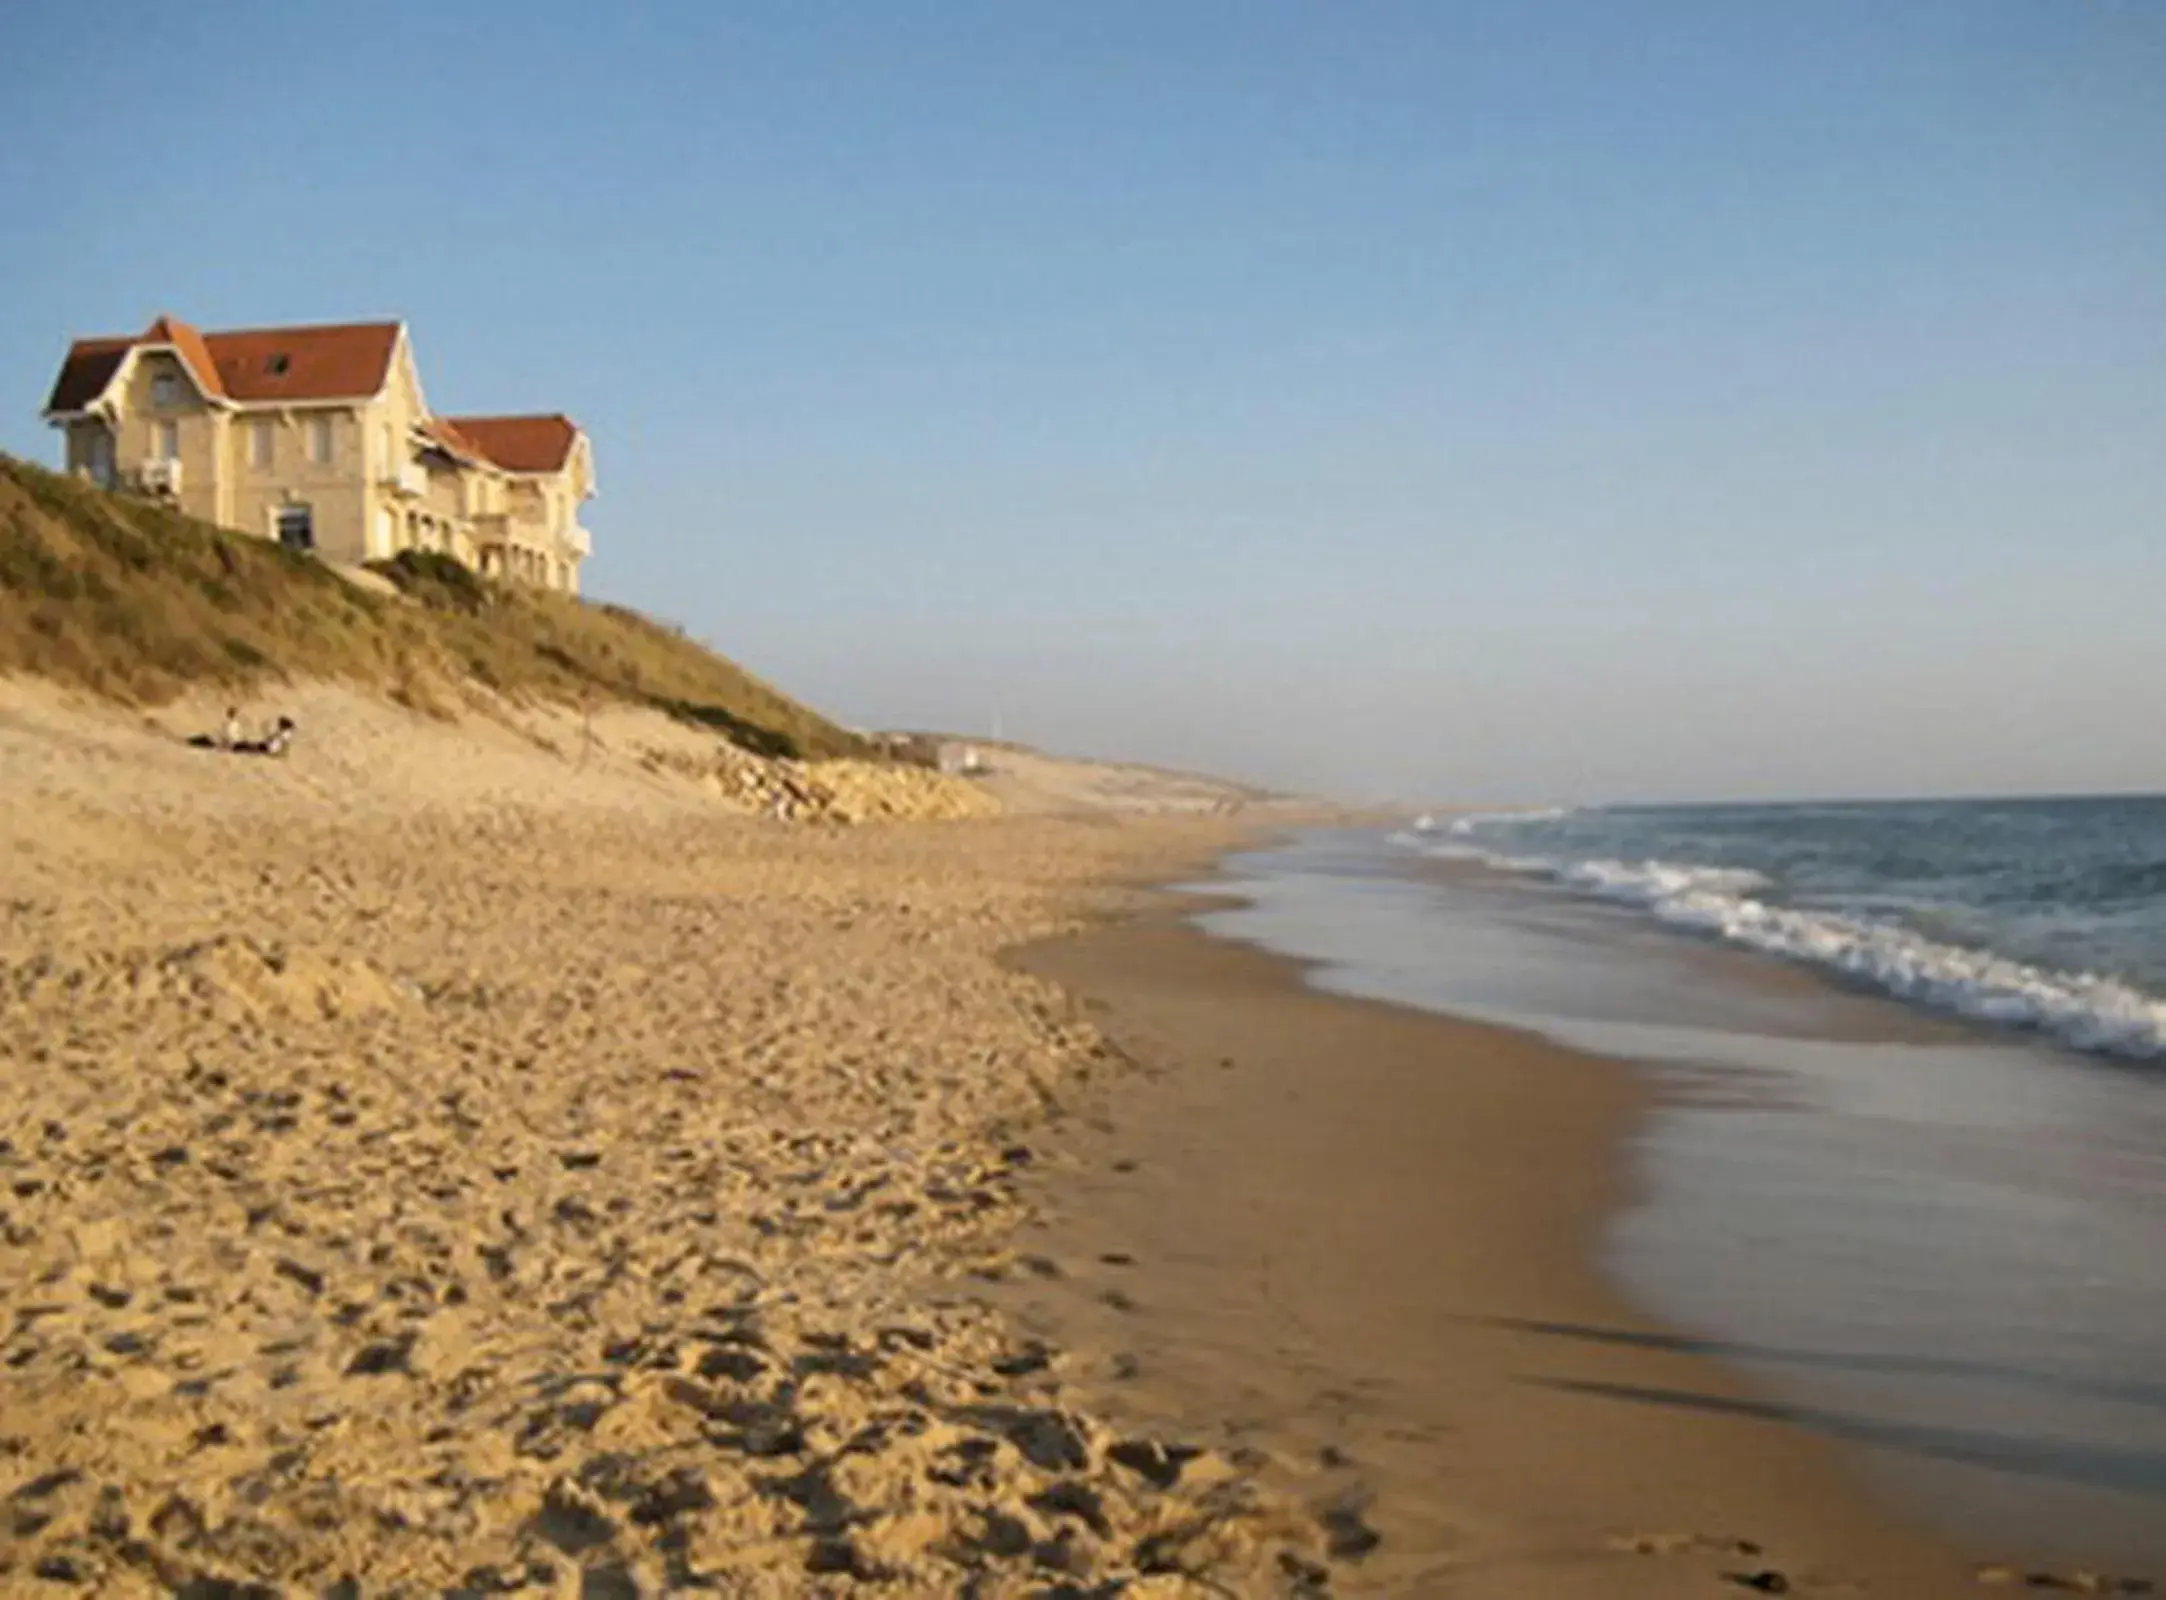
(160, 475)
(407, 477)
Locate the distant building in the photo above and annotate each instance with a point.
(319, 437)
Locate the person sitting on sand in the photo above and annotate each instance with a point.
(275, 743)
(228, 736)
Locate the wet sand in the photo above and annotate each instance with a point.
(1360, 1238)
(1935, 1242)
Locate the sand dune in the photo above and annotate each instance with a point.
(460, 1159)
(1029, 781)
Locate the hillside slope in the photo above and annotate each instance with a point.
(140, 604)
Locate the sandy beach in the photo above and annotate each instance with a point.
(467, 1159)
(437, 1165)
(1083, 802)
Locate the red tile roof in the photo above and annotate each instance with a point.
(521, 444)
(89, 367)
(334, 361)
(337, 361)
(449, 437)
(193, 353)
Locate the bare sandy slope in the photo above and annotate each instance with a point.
(459, 1159)
(1029, 781)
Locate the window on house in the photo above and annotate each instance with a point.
(165, 441)
(276, 365)
(297, 527)
(100, 458)
(165, 389)
(319, 440)
(260, 442)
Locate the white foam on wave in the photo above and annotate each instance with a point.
(1655, 883)
(1442, 847)
(1476, 821)
(1472, 821)
(2082, 1009)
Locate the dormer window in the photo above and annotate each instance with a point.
(276, 365)
(165, 389)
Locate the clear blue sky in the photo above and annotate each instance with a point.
(1566, 400)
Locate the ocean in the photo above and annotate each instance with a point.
(1906, 1164)
(2038, 914)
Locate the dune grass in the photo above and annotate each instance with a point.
(138, 604)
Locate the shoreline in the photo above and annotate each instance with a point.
(1378, 1280)
(529, 1170)
(1935, 1241)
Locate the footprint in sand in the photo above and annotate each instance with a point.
(1681, 1544)
(1765, 1581)
(1347, 1534)
(1758, 1579)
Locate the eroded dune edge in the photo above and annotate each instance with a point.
(457, 1159)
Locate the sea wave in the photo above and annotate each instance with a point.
(2090, 1012)
(1468, 822)
(1656, 883)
